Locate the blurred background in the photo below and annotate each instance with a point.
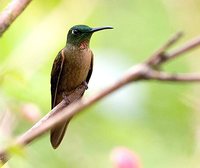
(159, 121)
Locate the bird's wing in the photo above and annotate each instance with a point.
(55, 76)
(90, 70)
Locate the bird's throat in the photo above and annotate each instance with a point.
(81, 46)
(84, 45)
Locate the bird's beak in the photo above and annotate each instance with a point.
(100, 28)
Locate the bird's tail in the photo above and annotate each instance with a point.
(58, 133)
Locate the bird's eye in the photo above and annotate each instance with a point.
(75, 32)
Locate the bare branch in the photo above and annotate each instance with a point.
(64, 112)
(14, 9)
(139, 72)
(78, 92)
(156, 58)
(190, 45)
(163, 76)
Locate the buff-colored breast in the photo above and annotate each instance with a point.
(75, 69)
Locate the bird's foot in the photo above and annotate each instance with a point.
(75, 94)
(84, 83)
(66, 98)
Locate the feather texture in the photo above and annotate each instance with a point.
(71, 67)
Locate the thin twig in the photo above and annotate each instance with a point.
(156, 58)
(14, 9)
(164, 76)
(188, 46)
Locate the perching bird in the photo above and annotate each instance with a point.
(72, 67)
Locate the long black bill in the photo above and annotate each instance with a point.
(101, 28)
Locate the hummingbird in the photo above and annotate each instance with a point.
(72, 67)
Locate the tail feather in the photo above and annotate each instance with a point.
(57, 134)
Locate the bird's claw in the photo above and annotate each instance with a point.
(66, 98)
(84, 83)
(69, 97)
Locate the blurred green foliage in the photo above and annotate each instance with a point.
(158, 121)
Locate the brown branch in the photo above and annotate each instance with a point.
(14, 9)
(188, 46)
(50, 120)
(157, 57)
(139, 72)
(163, 76)
(76, 94)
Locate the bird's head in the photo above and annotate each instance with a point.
(81, 34)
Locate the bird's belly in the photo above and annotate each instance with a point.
(74, 73)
